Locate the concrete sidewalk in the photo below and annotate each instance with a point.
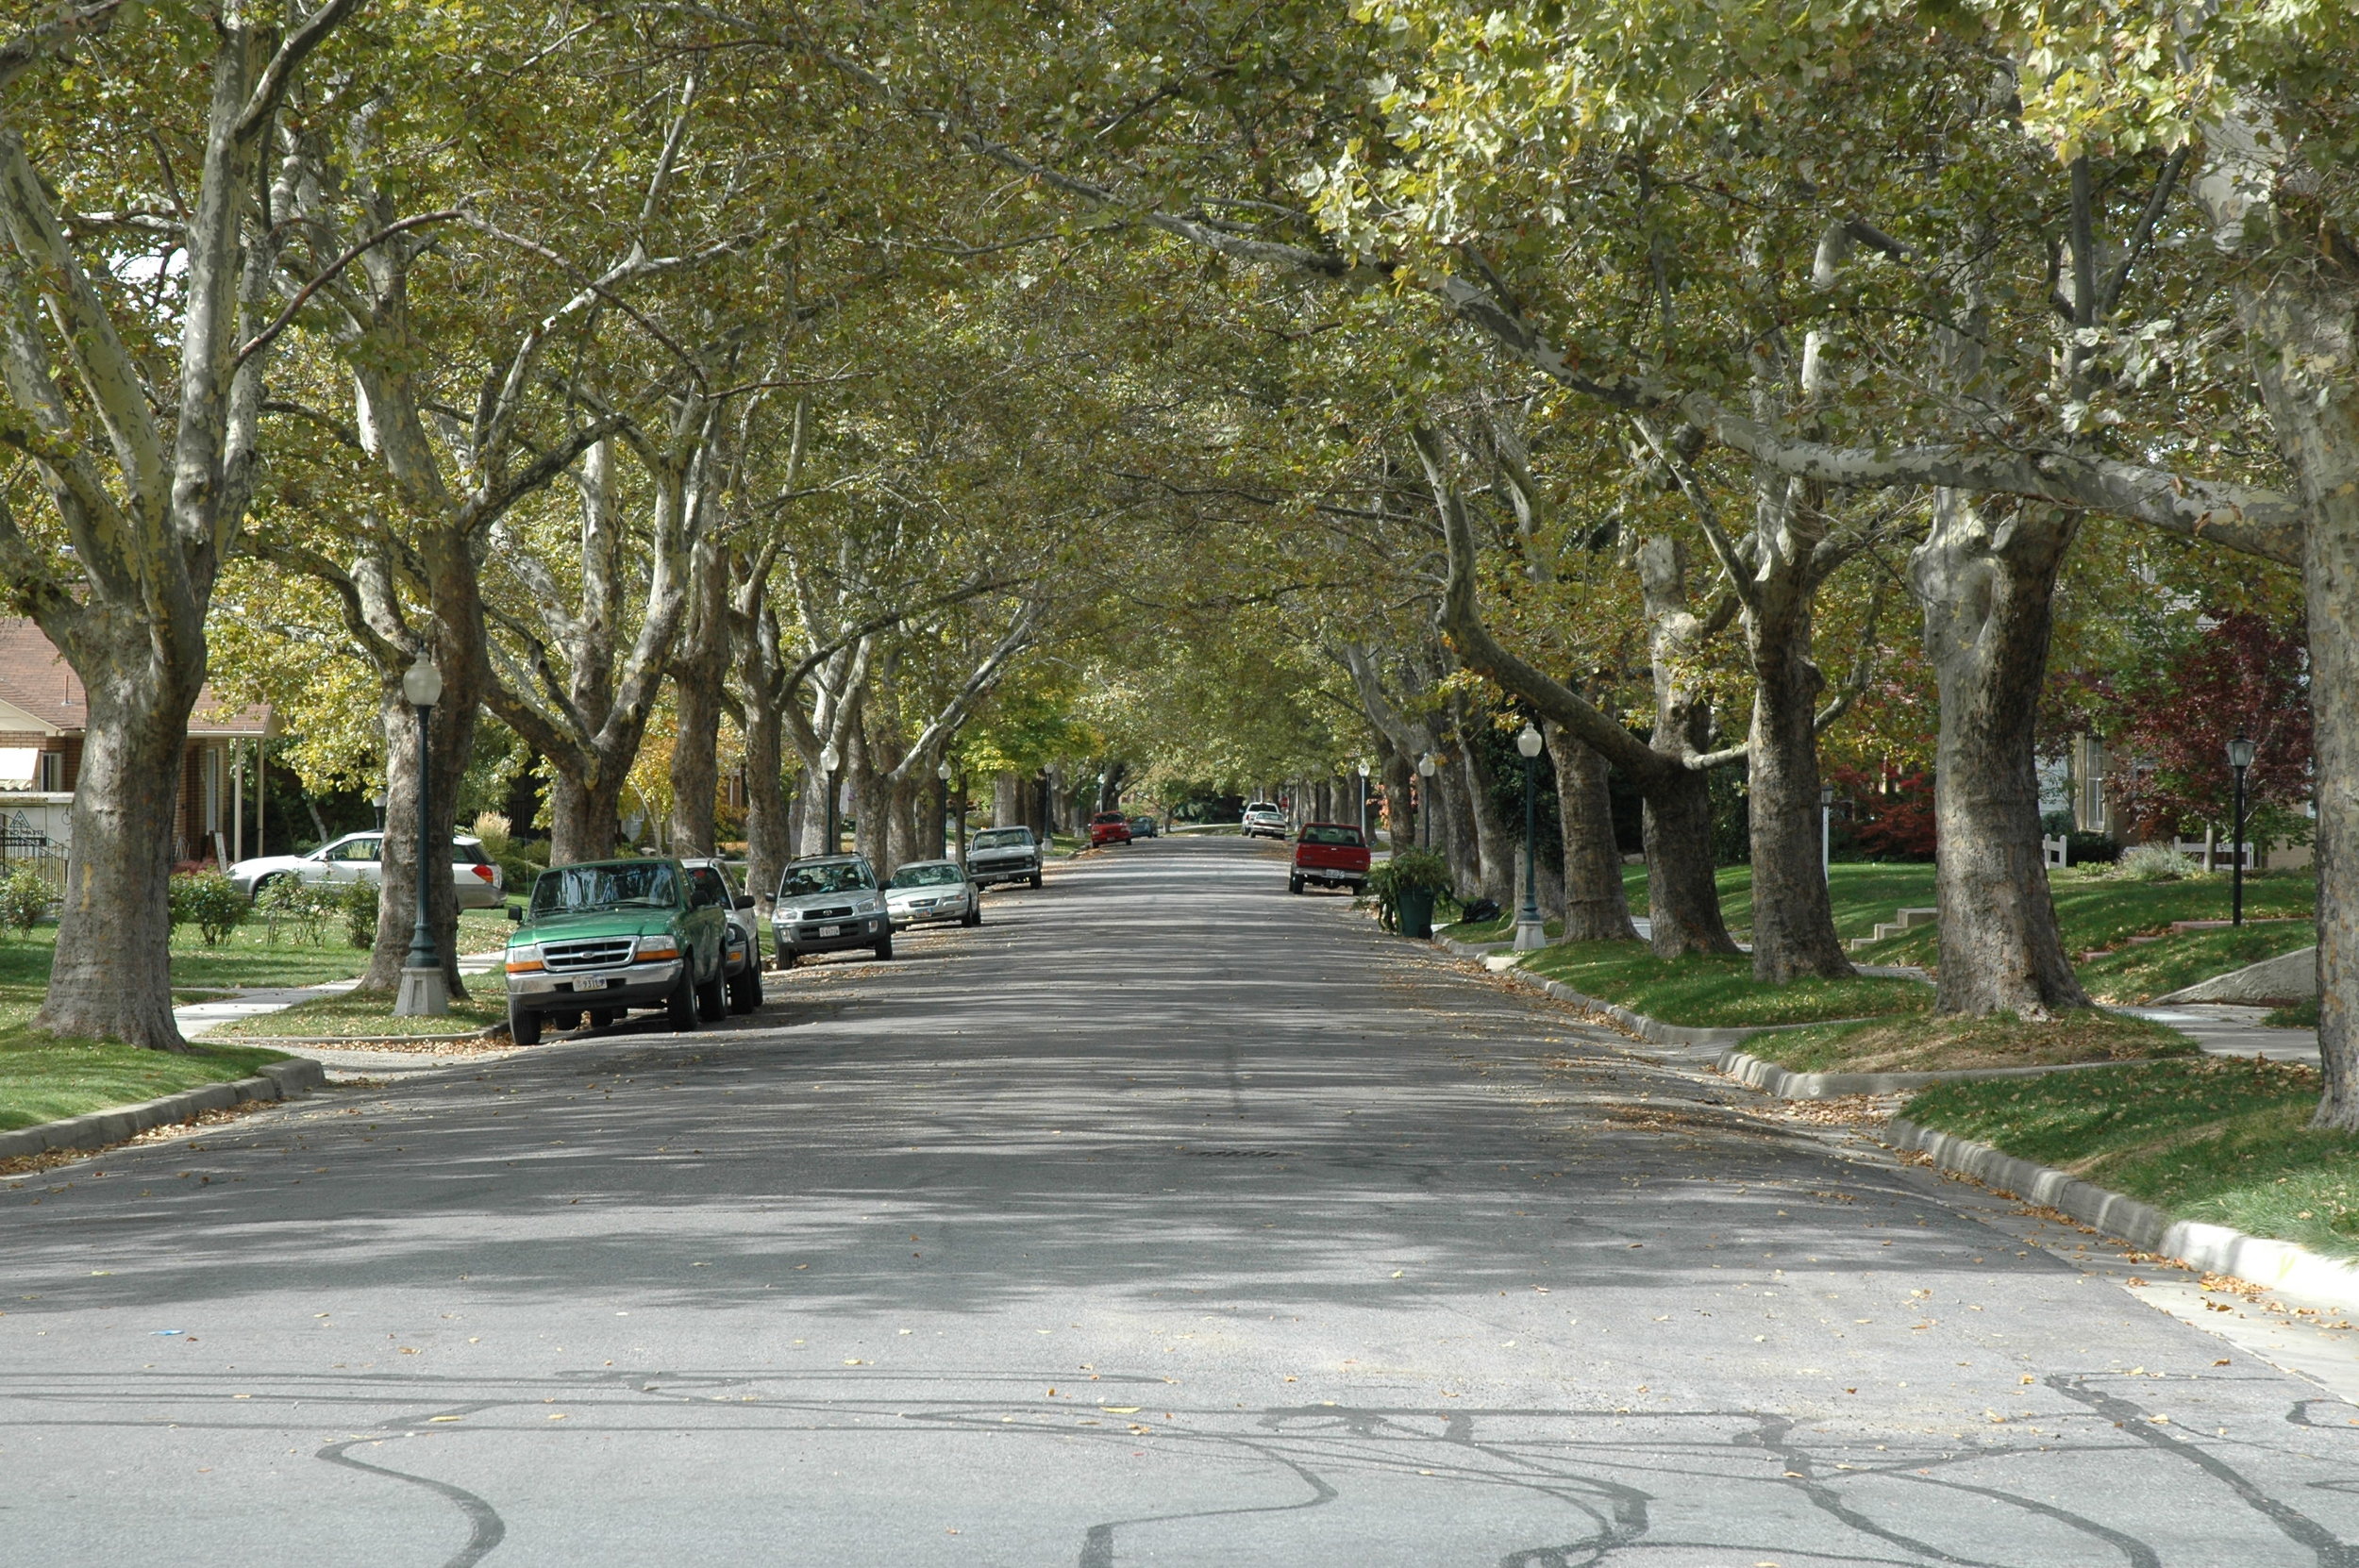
(200, 1018)
(2229, 1029)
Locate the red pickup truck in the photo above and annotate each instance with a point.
(1330, 854)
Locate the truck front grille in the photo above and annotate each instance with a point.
(588, 955)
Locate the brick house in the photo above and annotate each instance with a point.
(43, 714)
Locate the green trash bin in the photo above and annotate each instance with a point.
(1417, 913)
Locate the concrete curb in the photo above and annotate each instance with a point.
(1787, 1084)
(2216, 1249)
(278, 1081)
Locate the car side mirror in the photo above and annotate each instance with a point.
(745, 901)
(515, 915)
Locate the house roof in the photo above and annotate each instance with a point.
(37, 682)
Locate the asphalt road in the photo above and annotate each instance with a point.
(1165, 1219)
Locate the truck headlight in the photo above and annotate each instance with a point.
(525, 959)
(662, 945)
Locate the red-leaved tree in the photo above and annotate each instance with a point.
(2241, 675)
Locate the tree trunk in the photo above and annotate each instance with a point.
(1682, 892)
(698, 670)
(1399, 815)
(1794, 933)
(111, 978)
(1495, 852)
(769, 826)
(1988, 587)
(1596, 908)
(1007, 800)
(450, 737)
(2303, 332)
(585, 819)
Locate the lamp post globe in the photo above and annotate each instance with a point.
(2240, 751)
(1529, 932)
(425, 992)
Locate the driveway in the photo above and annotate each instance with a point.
(1167, 1219)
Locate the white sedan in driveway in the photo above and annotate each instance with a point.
(925, 891)
(358, 858)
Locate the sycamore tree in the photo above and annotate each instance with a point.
(142, 196)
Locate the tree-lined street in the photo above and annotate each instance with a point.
(1163, 1219)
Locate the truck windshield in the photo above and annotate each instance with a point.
(824, 877)
(1321, 833)
(637, 885)
(1004, 837)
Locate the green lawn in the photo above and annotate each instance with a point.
(2151, 969)
(1716, 993)
(1949, 1045)
(2222, 1140)
(369, 1014)
(1863, 893)
(43, 1078)
(2097, 911)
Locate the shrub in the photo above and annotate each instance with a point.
(1408, 870)
(208, 901)
(356, 903)
(290, 903)
(25, 897)
(495, 831)
(2154, 862)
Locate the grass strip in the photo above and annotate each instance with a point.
(2295, 1015)
(44, 1077)
(1917, 1044)
(2096, 911)
(1717, 991)
(369, 1015)
(2222, 1140)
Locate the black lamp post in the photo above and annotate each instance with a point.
(1427, 767)
(2239, 758)
(1826, 833)
(830, 760)
(1530, 933)
(1364, 803)
(942, 808)
(424, 992)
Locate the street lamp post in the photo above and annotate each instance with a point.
(1427, 767)
(1530, 933)
(1826, 833)
(830, 760)
(424, 992)
(2239, 758)
(942, 808)
(1364, 803)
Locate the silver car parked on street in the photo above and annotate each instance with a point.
(924, 892)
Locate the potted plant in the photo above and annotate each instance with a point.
(1405, 888)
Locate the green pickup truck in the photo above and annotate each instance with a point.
(603, 936)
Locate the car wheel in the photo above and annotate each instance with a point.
(679, 1008)
(884, 948)
(1294, 884)
(524, 1025)
(973, 916)
(601, 1017)
(746, 990)
(1036, 878)
(785, 958)
(712, 1002)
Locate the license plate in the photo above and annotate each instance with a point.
(831, 930)
(596, 984)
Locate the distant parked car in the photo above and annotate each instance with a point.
(1109, 827)
(1003, 855)
(359, 858)
(1146, 827)
(827, 904)
(741, 953)
(602, 936)
(928, 891)
(1265, 820)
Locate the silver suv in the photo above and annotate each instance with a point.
(1265, 820)
(741, 948)
(1003, 855)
